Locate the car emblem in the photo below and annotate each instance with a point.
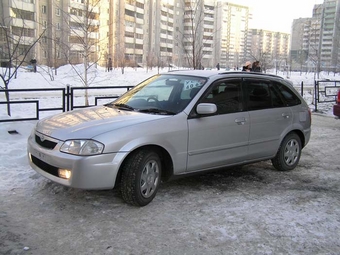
(42, 138)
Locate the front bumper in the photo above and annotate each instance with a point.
(336, 110)
(87, 172)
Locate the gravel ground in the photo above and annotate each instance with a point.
(253, 210)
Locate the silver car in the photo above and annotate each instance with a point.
(173, 124)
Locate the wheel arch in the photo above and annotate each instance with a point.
(166, 160)
(301, 136)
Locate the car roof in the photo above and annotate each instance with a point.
(211, 73)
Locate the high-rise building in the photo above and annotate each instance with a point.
(232, 34)
(270, 48)
(160, 33)
(315, 41)
(17, 24)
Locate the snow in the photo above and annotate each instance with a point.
(253, 211)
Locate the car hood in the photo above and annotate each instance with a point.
(90, 122)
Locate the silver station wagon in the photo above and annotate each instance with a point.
(173, 124)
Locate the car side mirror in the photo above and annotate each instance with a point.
(206, 108)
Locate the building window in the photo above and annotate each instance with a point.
(58, 26)
(57, 11)
(43, 9)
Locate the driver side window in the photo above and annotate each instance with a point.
(226, 95)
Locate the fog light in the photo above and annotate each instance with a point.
(64, 173)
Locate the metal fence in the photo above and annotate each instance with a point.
(325, 92)
(66, 98)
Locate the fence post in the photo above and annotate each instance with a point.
(68, 97)
(302, 88)
(316, 92)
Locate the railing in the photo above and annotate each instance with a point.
(325, 92)
(65, 96)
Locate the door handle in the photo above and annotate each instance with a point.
(240, 121)
(285, 115)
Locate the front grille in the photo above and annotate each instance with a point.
(44, 166)
(45, 143)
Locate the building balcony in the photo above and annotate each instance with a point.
(129, 40)
(167, 10)
(76, 47)
(139, 31)
(82, 6)
(93, 35)
(18, 22)
(139, 41)
(139, 21)
(22, 5)
(25, 40)
(133, 51)
(129, 29)
(166, 45)
(82, 20)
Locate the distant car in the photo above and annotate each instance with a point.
(173, 124)
(336, 107)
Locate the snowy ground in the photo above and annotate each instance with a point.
(253, 210)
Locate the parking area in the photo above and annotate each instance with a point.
(253, 210)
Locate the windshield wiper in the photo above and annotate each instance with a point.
(124, 107)
(157, 111)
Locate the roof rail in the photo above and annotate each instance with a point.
(252, 73)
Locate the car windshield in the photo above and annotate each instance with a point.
(161, 94)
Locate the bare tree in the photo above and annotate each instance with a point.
(53, 46)
(83, 27)
(16, 46)
(121, 59)
(193, 32)
(265, 59)
(314, 53)
(150, 60)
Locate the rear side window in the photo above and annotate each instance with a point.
(258, 95)
(263, 94)
(289, 96)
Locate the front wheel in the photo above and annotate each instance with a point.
(141, 177)
(289, 153)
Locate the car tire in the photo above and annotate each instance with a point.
(141, 177)
(289, 153)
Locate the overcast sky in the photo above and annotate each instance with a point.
(277, 15)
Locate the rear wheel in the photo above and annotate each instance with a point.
(289, 153)
(141, 177)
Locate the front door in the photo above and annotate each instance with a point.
(220, 139)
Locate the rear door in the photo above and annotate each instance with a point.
(269, 117)
(222, 138)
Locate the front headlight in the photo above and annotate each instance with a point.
(82, 147)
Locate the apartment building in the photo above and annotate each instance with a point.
(269, 47)
(62, 31)
(161, 33)
(315, 41)
(21, 28)
(159, 36)
(330, 33)
(232, 34)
